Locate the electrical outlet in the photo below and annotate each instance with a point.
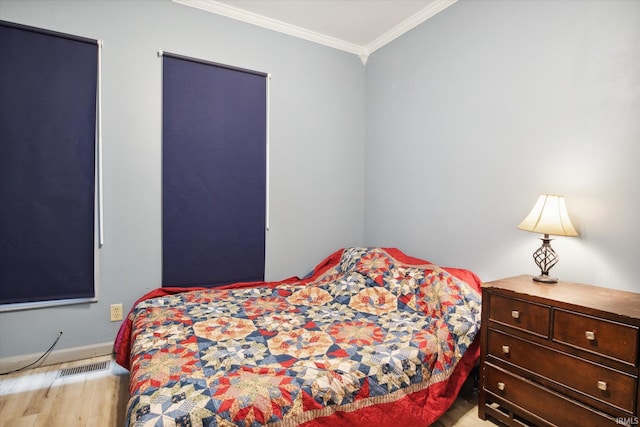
(116, 312)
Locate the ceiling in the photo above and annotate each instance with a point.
(356, 26)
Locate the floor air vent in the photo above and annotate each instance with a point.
(84, 369)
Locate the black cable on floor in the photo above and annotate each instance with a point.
(45, 354)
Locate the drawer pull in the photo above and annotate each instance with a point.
(590, 335)
(501, 386)
(505, 349)
(515, 314)
(602, 385)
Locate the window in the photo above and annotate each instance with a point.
(48, 92)
(213, 173)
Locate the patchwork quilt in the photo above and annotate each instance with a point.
(370, 337)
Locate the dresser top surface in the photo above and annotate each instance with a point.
(603, 299)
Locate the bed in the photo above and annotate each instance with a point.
(371, 336)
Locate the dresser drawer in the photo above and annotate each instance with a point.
(605, 337)
(552, 407)
(595, 381)
(520, 314)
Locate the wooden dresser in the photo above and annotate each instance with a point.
(564, 354)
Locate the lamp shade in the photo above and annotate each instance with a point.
(549, 216)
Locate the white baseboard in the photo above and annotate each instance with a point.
(58, 356)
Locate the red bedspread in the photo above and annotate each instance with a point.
(370, 337)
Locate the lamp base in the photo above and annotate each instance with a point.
(545, 258)
(543, 278)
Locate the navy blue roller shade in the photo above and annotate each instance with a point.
(48, 84)
(213, 173)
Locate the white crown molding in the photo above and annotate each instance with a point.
(413, 21)
(272, 24)
(362, 52)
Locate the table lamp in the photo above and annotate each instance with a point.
(549, 217)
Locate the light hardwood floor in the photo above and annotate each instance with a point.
(39, 398)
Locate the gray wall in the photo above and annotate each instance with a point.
(476, 112)
(317, 141)
(467, 118)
